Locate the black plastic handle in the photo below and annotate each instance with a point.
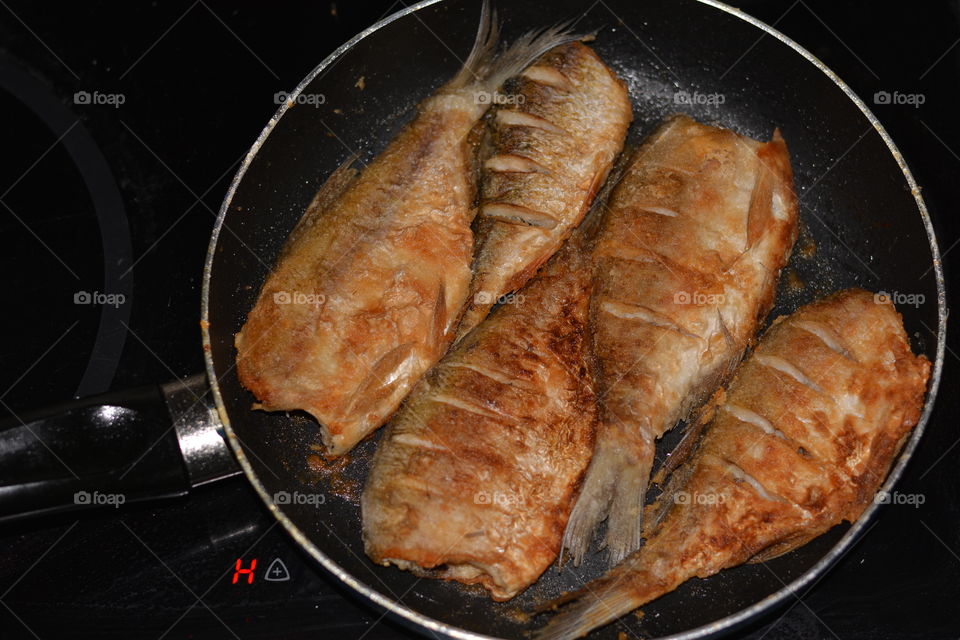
(112, 449)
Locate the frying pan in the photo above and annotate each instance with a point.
(863, 223)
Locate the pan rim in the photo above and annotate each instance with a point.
(846, 542)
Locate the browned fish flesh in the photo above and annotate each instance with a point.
(801, 441)
(369, 290)
(685, 269)
(476, 475)
(550, 149)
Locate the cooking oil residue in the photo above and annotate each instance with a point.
(806, 247)
(794, 282)
(332, 474)
(516, 614)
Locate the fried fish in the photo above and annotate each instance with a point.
(369, 290)
(550, 149)
(476, 475)
(685, 268)
(801, 441)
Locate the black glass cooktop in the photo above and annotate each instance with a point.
(122, 126)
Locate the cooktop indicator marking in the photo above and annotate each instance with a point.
(277, 571)
(241, 571)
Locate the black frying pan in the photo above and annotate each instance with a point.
(864, 223)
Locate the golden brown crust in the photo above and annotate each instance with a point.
(837, 423)
(686, 264)
(366, 295)
(801, 441)
(549, 153)
(478, 471)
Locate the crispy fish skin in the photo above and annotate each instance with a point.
(368, 292)
(476, 475)
(550, 150)
(685, 268)
(801, 441)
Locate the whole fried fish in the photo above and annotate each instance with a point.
(550, 149)
(801, 441)
(476, 475)
(685, 268)
(369, 290)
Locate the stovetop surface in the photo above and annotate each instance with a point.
(123, 125)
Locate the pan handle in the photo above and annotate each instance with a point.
(107, 450)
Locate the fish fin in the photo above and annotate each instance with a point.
(775, 177)
(672, 470)
(691, 438)
(589, 227)
(784, 546)
(614, 489)
(520, 54)
(760, 213)
(625, 522)
(657, 513)
(478, 145)
(380, 385)
(727, 336)
(591, 507)
(331, 190)
(477, 65)
(335, 184)
(440, 329)
(600, 602)
(589, 511)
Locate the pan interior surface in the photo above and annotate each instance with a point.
(861, 225)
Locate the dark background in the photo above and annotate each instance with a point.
(198, 83)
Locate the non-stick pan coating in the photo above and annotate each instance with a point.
(861, 224)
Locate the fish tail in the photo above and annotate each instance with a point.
(486, 70)
(614, 490)
(477, 65)
(591, 507)
(625, 523)
(602, 601)
(525, 50)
